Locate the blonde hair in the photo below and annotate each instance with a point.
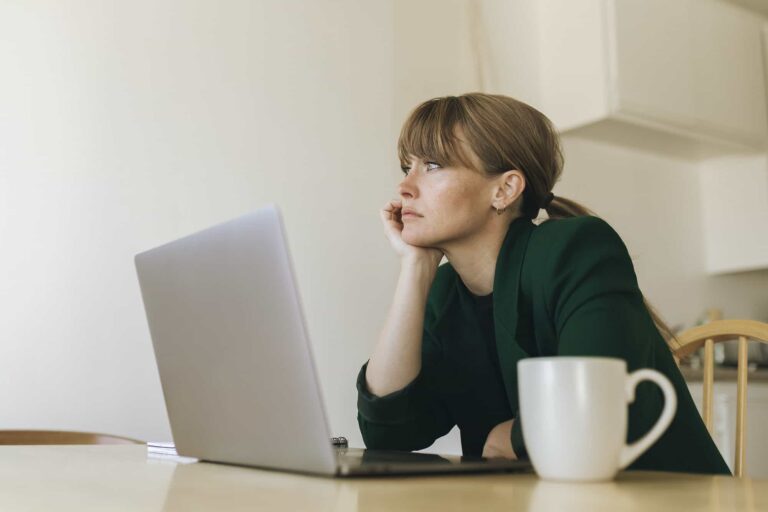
(505, 134)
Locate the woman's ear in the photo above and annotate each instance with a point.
(510, 188)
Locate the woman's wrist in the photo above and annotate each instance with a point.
(419, 269)
(499, 441)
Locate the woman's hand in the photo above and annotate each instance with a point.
(393, 228)
(499, 442)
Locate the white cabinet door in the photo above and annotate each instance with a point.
(734, 216)
(691, 65)
(729, 85)
(692, 71)
(651, 59)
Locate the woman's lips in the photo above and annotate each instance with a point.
(409, 212)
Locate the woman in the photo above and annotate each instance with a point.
(478, 168)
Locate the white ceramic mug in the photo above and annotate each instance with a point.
(574, 415)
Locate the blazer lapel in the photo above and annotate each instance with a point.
(506, 288)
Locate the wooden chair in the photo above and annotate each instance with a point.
(706, 336)
(8, 437)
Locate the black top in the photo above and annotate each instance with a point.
(486, 336)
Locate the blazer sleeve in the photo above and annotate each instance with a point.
(593, 302)
(411, 418)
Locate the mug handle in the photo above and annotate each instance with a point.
(630, 452)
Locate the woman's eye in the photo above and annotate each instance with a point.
(429, 166)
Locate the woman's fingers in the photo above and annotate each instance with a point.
(391, 206)
(390, 210)
(393, 225)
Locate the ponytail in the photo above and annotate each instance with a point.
(562, 208)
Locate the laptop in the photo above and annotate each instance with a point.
(235, 361)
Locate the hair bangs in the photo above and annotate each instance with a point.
(429, 133)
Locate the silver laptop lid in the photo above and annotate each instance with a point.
(231, 346)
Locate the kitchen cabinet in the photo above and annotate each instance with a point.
(734, 212)
(650, 61)
(665, 71)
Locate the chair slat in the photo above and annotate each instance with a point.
(708, 383)
(741, 407)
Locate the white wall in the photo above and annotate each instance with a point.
(126, 124)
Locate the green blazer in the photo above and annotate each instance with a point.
(564, 287)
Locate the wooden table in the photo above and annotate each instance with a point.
(115, 478)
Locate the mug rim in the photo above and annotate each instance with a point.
(571, 359)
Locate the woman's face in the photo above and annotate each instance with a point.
(450, 203)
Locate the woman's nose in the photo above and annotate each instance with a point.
(406, 188)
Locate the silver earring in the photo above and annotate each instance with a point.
(499, 211)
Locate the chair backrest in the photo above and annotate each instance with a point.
(8, 437)
(706, 336)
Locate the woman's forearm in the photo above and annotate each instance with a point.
(396, 358)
